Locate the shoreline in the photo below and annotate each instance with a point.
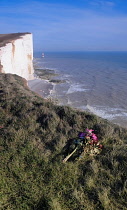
(44, 81)
(41, 87)
(44, 89)
(40, 83)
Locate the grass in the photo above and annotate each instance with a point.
(34, 133)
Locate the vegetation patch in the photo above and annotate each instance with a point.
(33, 136)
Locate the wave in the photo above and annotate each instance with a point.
(76, 88)
(107, 112)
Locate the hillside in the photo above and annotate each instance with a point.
(34, 133)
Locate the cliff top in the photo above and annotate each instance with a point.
(6, 38)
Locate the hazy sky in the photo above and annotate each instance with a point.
(68, 25)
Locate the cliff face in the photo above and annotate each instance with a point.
(16, 54)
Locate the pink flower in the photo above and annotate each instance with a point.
(101, 146)
(94, 137)
(89, 130)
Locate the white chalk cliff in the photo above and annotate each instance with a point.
(16, 55)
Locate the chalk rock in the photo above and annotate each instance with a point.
(16, 54)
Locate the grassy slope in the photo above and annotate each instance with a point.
(32, 139)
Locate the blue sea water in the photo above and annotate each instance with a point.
(95, 81)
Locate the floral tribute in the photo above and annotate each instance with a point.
(86, 143)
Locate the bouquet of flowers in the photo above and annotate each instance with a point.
(87, 142)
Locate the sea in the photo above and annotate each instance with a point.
(92, 81)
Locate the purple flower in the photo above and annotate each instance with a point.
(81, 134)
